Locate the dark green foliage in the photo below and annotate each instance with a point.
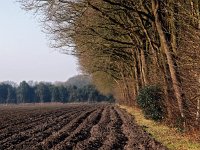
(150, 99)
(55, 94)
(11, 96)
(43, 92)
(3, 93)
(7, 93)
(47, 92)
(24, 93)
(64, 95)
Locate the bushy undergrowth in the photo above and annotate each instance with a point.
(150, 99)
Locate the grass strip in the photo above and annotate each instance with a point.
(170, 137)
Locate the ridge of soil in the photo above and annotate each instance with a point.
(72, 127)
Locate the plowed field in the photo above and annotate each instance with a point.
(71, 127)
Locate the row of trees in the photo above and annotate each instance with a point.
(126, 45)
(47, 92)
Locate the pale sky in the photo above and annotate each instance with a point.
(24, 51)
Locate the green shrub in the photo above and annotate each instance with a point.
(150, 99)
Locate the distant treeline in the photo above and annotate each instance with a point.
(48, 92)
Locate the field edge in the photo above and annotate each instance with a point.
(169, 137)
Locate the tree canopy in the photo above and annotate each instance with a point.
(132, 44)
(43, 92)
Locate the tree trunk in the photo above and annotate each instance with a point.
(141, 81)
(197, 3)
(133, 87)
(170, 61)
(126, 90)
(172, 26)
(144, 67)
(198, 111)
(136, 73)
(198, 107)
(192, 12)
(166, 87)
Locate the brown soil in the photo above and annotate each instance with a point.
(72, 127)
